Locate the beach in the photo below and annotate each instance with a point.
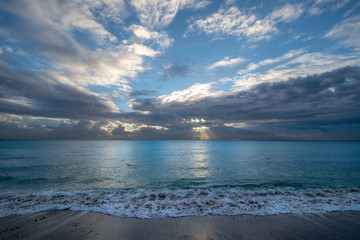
(67, 224)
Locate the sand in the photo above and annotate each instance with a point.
(88, 225)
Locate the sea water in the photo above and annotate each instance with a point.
(179, 178)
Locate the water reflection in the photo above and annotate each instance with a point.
(199, 163)
(114, 165)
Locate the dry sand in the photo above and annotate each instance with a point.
(54, 225)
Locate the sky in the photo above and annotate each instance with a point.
(180, 69)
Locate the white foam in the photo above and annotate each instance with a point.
(145, 203)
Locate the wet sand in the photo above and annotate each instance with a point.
(88, 225)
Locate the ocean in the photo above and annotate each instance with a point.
(149, 179)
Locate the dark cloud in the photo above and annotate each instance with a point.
(326, 98)
(39, 35)
(316, 107)
(11, 130)
(40, 94)
(84, 129)
(288, 131)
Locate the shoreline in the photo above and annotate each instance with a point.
(66, 224)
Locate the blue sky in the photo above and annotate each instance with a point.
(180, 69)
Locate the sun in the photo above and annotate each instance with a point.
(202, 133)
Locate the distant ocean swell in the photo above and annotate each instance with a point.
(146, 203)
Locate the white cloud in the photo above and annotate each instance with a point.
(226, 62)
(232, 21)
(123, 90)
(110, 10)
(253, 66)
(6, 49)
(288, 13)
(143, 50)
(142, 34)
(299, 65)
(103, 66)
(198, 4)
(195, 92)
(321, 6)
(347, 32)
(236, 125)
(160, 13)
(163, 40)
(131, 127)
(228, 2)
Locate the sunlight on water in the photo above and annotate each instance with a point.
(199, 163)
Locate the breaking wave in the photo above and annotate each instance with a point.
(146, 203)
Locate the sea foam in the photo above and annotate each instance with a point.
(146, 203)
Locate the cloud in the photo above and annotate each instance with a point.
(226, 62)
(228, 2)
(294, 64)
(67, 15)
(198, 4)
(232, 21)
(288, 131)
(160, 13)
(114, 66)
(143, 34)
(320, 106)
(142, 50)
(287, 13)
(321, 6)
(149, 133)
(253, 66)
(121, 92)
(71, 39)
(267, 131)
(174, 70)
(328, 98)
(83, 129)
(347, 32)
(193, 93)
(27, 127)
(43, 94)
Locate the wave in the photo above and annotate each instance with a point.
(43, 180)
(33, 167)
(6, 178)
(145, 203)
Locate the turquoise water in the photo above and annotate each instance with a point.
(179, 178)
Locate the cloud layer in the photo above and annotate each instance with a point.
(330, 97)
(322, 103)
